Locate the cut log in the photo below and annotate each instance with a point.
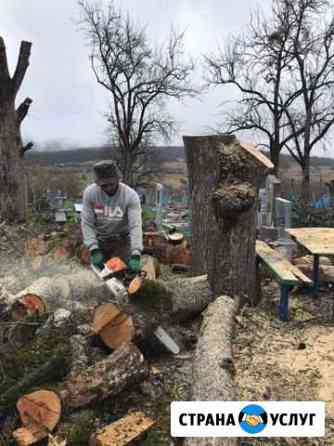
(175, 238)
(55, 441)
(114, 326)
(27, 435)
(40, 413)
(155, 302)
(123, 431)
(42, 407)
(66, 291)
(149, 267)
(123, 368)
(213, 368)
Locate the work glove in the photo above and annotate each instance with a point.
(97, 258)
(135, 264)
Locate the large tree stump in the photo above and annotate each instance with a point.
(223, 183)
(232, 220)
(213, 369)
(202, 166)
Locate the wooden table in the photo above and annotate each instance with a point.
(317, 242)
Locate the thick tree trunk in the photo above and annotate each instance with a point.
(164, 300)
(213, 369)
(68, 291)
(12, 184)
(306, 186)
(201, 156)
(232, 218)
(123, 368)
(275, 150)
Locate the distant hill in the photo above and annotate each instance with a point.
(163, 154)
(86, 154)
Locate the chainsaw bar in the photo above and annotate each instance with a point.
(166, 340)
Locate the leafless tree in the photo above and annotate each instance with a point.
(312, 50)
(140, 79)
(13, 187)
(276, 64)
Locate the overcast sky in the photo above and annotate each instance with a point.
(68, 104)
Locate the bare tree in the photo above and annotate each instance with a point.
(256, 63)
(12, 176)
(276, 64)
(312, 50)
(139, 78)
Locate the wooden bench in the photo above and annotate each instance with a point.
(285, 273)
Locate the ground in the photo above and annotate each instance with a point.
(274, 360)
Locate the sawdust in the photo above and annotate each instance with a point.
(287, 361)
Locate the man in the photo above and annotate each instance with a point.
(111, 219)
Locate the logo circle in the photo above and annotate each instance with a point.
(253, 419)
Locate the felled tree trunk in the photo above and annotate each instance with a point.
(213, 368)
(123, 368)
(12, 175)
(68, 291)
(181, 298)
(201, 159)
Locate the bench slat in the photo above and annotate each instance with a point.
(284, 271)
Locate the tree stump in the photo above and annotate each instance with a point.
(224, 175)
(201, 156)
(232, 220)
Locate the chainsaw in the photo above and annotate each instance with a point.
(119, 279)
(122, 282)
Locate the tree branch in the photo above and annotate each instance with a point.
(25, 148)
(22, 65)
(22, 110)
(4, 73)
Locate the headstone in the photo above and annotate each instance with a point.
(273, 185)
(283, 210)
(60, 216)
(158, 203)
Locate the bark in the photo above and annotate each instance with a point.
(201, 156)
(68, 291)
(162, 300)
(213, 368)
(306, 190)
(232, 221)
(123, 368)
(12, 187)
(275, 151)
(156, 303)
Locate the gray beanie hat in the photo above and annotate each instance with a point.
(106, 169)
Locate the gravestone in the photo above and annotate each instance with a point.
(273, 185)
(285, 244)
(159, 195)
(283, 209)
